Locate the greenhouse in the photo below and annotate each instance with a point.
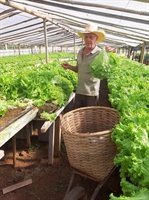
(49, 148)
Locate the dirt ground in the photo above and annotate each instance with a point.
(49, 182)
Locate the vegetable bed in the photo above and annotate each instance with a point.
(128, 83)
(22, 85)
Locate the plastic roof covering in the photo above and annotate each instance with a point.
(125, 22)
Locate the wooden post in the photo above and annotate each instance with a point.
(57, 141)
(39, 48)
(52, 48)
(142, 53)
(46, 40)
(28, 135)
(14, 48)
(51, 145)
(6, 46)
(19, 47)
(118, 50)
(74, 47)
(128, 55)
(14, 150)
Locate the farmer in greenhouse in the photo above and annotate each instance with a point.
(87, 91)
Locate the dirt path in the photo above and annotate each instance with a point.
(49, 182)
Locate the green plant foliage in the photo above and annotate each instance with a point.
(102, 65)
(146, 56)
(137, 56)
(129, 86)
(23, 84)
(47, 116)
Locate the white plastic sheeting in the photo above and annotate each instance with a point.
(125, 22)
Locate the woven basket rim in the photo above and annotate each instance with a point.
(80, 134)
(88, 108)
(91, 107)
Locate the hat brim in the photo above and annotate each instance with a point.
(100, 34)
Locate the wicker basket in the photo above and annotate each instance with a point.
(87, 136)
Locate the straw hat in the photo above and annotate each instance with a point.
(91, 28)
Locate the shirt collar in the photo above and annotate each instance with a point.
(94, 50)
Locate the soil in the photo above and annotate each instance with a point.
(49, 182)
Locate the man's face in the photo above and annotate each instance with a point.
(90, 40)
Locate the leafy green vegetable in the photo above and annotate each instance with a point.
(3, 107)
(142, 194)
(36, 85)
(128, 188)
(101, 67)
(47, 116)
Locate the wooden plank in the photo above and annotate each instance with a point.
(1, 153)
(57, 140)
(46, 126)
(13, 128)
(16, 186)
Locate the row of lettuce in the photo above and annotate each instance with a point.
(23, 83)
(34, 58)
(128, 83)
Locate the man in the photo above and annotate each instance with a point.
(87, 91)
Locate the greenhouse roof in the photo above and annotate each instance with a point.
(126, 22)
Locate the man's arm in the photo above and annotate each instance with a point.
(71, 67)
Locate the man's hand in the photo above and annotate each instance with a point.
(65, 65)
(110, 49)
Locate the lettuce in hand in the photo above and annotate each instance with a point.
(100, 66)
